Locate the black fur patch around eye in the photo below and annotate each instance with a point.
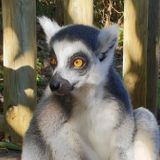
(52, 55)
(79, 55)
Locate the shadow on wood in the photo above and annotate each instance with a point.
(140, 63)
(20, 99)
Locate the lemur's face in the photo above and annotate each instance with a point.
(79, 55)
(73, 65)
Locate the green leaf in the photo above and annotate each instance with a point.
(9, 145)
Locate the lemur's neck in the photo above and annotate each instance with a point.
(88, 94)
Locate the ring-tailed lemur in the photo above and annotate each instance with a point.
(85, 113)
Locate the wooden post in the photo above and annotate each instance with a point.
(158, 55)
(75, 11)
(19, 44)
(139, 59)
(59, 12)
(158, 38)
(152, 59)
(135, 49)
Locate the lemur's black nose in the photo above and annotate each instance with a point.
(59, 85)
(54, 85)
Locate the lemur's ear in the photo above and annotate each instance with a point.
(49, 27)
(106, 42)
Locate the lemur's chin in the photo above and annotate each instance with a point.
(60, 94)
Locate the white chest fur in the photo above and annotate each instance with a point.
(95, 123)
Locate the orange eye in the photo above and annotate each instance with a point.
(78, 63)
(53, 61)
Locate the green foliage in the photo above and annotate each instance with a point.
(1, 78)
(9, 145)
(120, 37)
(1, 72)
(39, 64)
(1, 87)
(39, 78)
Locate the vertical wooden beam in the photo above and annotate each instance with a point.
(75, 11)
(59, 12)
(152, 59)
(19, 44)
(158, 56)
(158, 38)
(135, 50)
(140, 61)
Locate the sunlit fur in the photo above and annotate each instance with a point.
(95, 121)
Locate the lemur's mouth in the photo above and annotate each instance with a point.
(74, 85)
(65, 91)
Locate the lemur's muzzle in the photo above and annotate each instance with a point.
(59, 85)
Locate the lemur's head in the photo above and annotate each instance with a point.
(79, 55)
